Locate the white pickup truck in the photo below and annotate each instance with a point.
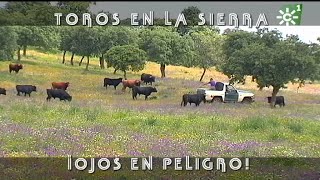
(226, 93)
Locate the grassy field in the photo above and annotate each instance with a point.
(100, 122)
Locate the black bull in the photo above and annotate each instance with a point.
(279, 100)
(147, 78)
(58, 93)
(146, 91)
(193, 98)
(112, 82)
(26, 89)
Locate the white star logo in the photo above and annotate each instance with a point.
(287, 17)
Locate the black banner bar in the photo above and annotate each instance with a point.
(153, 168)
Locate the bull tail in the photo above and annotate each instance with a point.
(183, 102)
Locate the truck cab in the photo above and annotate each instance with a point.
(226, 93)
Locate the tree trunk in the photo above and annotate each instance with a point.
(87, 67)
(253, 79)
(81, 61)
(24, 50)
(64, 57)
(71, 60)
(301, 84)
(125, 75)
(18, 53)
(115, 71)
(101, 62)
(204, 71)
(163, 70)
(274, 94)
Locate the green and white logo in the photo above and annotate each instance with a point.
(290, 14)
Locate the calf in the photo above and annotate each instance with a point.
(15, 67)
(193, 98)
(130, 83)
(147, 78)
(58, 93)
(112, 82)
(26, 89)
(279, 101)
(3, 91)
(60, 85)
(146, 91)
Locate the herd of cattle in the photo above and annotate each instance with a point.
(59, 89)
(133, 84)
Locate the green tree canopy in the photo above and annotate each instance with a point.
(191, 15)
(67, 42)
(85, 42)
(8, 42)
(159, 44)
(207, 48)
(234, 41)
(127, 57)
(25, 37)
(273, 64)
(110, 36)
(28, 13)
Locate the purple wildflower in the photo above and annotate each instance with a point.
(135, 153)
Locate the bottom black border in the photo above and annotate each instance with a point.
(259, 168)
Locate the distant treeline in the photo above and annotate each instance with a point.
(33, 13)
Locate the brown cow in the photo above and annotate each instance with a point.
(130, 83)
(60, 85)
(15, 67)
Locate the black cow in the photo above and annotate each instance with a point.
(193, 98)
(3, 91)
(58, 93)
(112, 82)
(146, 91)
(279, 101)
(26, 89)
(148, 78)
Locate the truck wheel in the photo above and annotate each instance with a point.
(247, 101)
(217, 99)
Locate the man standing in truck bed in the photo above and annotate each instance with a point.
(212, 84)
(215, 85)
